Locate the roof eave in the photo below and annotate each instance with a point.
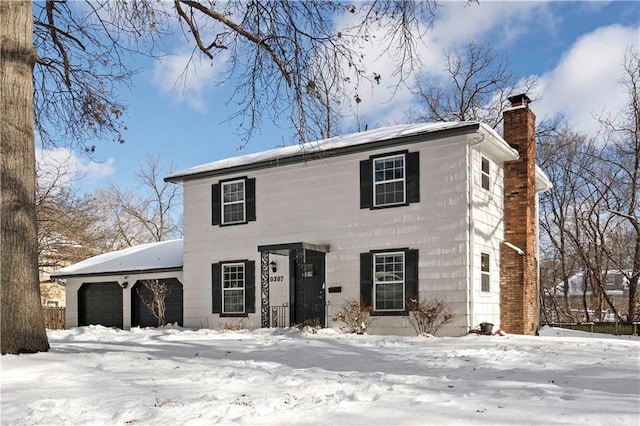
(120, 272)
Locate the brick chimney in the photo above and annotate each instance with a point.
(518, 263)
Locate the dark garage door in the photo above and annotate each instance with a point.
(141, 316)
(100, 303)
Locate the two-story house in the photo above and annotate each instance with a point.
(378, 216)
(444, 210)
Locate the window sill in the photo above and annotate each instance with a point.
(388, 206)
(233, 224)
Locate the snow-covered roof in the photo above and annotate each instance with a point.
(283, 155)
(350, 140)
(162, 255)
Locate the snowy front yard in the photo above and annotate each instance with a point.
(101, 376)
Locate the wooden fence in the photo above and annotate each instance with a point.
(54, 318)
(618, 329)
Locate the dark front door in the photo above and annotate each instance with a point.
(309, 289)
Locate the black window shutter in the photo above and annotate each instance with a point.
(250, 194)
(366, 184)
(413, 177)
(366, 279)
(411, 274)
(215, 204)
(249, 287)
(216, 288)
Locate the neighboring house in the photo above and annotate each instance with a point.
(581, 287)
(107, 289)
(286, 236)
(52, 293)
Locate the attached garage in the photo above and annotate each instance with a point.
(141, 315)
(100, 304)
(103, 290)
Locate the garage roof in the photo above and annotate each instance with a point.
(160, 256)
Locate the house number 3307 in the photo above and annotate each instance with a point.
(277, 278)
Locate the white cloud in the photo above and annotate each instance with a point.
(458, 22)
(188, 79)
(66, 167)
(586, 81)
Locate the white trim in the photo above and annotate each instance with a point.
(404, 280)
(244, 284)
(484, 159)
(403, 180)
(486, 273)
(229, 203)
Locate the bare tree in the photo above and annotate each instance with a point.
(156, 301)
(622, 199)
(67, 219)
(476, 86)
(590, 218)
(144, 214)
(277, 50)
(82, 48)
(282, 52)
(560, 156)
(22, 321)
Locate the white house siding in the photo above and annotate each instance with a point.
(73, 284)
(488, 233)
(318, 202)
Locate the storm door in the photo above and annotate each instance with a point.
(308, 292)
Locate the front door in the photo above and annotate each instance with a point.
(309, 289)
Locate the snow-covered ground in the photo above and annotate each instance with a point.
(102, 376)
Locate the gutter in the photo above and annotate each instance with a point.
(121, 272)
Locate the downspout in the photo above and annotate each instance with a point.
(469, 219)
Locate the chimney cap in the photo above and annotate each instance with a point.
(518, 100)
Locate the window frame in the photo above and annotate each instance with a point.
(485, 175)
(485, 272)
(403, 179)
(223, 290)
(411, 176)
(375, 256)
(217, 207)
(223, 204)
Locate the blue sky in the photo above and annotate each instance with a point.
(574, 48)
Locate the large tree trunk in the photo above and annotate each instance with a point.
(22, 322)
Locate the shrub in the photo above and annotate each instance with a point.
(156, 301)
(309, 326)
(235, 325)
(428, 314)
(355, 317)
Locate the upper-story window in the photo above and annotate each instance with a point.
(233, 201)
(485, 173)
(390, 180)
